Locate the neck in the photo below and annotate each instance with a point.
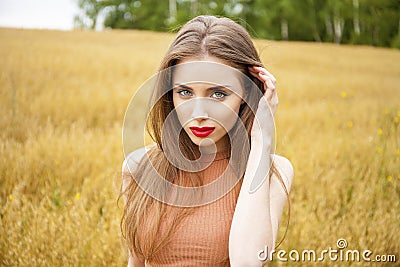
(221, 146)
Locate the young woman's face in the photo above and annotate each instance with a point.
(207, 95)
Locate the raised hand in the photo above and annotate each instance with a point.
(263, 126)
(269, 85)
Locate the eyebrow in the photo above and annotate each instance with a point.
(208, 89)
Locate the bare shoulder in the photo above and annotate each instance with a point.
(133, 158)
(285, 169)
(130, 164)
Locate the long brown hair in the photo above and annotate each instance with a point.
(203, 35)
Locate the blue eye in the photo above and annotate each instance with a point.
(219, 94)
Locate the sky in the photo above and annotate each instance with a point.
(40, 14)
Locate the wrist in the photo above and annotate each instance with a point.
(260, 141)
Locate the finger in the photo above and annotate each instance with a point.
(266, 72)
(268, 81)
(251, 68)
(268, 94)
(254, 72)
(270, 85)
(266, 78)
(255, 75)
(258, 75)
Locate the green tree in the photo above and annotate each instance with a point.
(372, 22)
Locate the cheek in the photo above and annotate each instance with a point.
(183, 111)
(226, 115)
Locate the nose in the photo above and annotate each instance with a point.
(199, 109)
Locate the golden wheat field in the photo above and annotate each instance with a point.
(62, 101)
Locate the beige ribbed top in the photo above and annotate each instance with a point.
(202, 238)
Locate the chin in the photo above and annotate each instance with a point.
(202, 141)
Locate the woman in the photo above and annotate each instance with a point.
(212, 116)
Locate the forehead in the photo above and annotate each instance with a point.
(207, 72)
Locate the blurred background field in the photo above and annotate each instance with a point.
(62, 101)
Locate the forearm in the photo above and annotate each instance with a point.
(251, 228)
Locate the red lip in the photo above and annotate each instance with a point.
(202, 131)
